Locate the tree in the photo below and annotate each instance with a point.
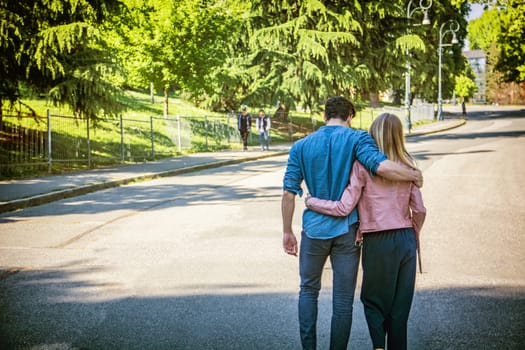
(512, 31)
(503, 23)
(482, 32)
(58, 48)
(301, 52)
(180, 45)
(465, 87)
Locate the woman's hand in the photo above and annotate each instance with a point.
(308, 196)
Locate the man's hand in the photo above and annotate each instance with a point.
(396, 172)
(290, 243)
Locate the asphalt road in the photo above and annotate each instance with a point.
(195, 261)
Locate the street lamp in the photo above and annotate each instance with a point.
(426, 21)
(453, 28)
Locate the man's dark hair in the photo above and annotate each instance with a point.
(338, 107)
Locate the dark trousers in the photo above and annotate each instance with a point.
(244, 136)
(389, 274)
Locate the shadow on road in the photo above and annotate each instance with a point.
(420, 155)
(59, 309)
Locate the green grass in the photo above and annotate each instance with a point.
(106, 145)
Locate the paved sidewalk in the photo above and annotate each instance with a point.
(18, 194)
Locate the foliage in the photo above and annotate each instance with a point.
(482, 32)
(465, 86)
(58, 48)
(504, 24)
(300, 53)
(442, 13)
(178, 46)
(223, 53)
(511, 39)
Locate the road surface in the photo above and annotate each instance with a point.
(195, 261)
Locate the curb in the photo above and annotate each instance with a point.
(81, 190)
(459, 123)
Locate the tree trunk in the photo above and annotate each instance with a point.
(374, 99)
(152, 92)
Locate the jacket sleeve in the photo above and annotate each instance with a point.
(418, 209)
(348, 200)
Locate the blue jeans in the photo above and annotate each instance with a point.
(344, 257)
(264, 139)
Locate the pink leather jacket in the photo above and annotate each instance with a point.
(382, 204)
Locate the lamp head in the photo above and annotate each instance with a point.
(454, 38)
(426, 20)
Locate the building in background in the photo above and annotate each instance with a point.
(477, 60)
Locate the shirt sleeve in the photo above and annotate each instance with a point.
(368, 153)
(349, 199)
(418, 208)
(293, 176)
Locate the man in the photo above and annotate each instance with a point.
(244, 123)
(324, 160)
(263, 124)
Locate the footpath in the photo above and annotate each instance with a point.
(19, 194)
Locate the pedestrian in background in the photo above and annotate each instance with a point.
(263, 124)
(323, 161)
(391, 215)
(244, 124)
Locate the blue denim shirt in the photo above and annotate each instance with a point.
(324, 160)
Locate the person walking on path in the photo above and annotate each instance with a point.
(391, 215)
(323, 161)
(263, 124)
(244, 124)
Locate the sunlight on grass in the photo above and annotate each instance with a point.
(141, 133)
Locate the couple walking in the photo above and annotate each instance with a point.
(383, 186)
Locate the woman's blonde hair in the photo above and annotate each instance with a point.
(387, 131)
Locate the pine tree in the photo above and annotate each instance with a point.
(58, 48)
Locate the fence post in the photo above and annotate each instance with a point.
(122, 151)
(152, 137)
(49, 161)
(228, 127)
(290, 127)
(206, 127)
(178, 134)
(88, 143)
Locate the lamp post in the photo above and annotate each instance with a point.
(426, 21)
(453, 28)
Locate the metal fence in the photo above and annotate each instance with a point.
(30, 144)
(418, 112)
(55, 142)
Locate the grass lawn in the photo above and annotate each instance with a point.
(140, 134)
